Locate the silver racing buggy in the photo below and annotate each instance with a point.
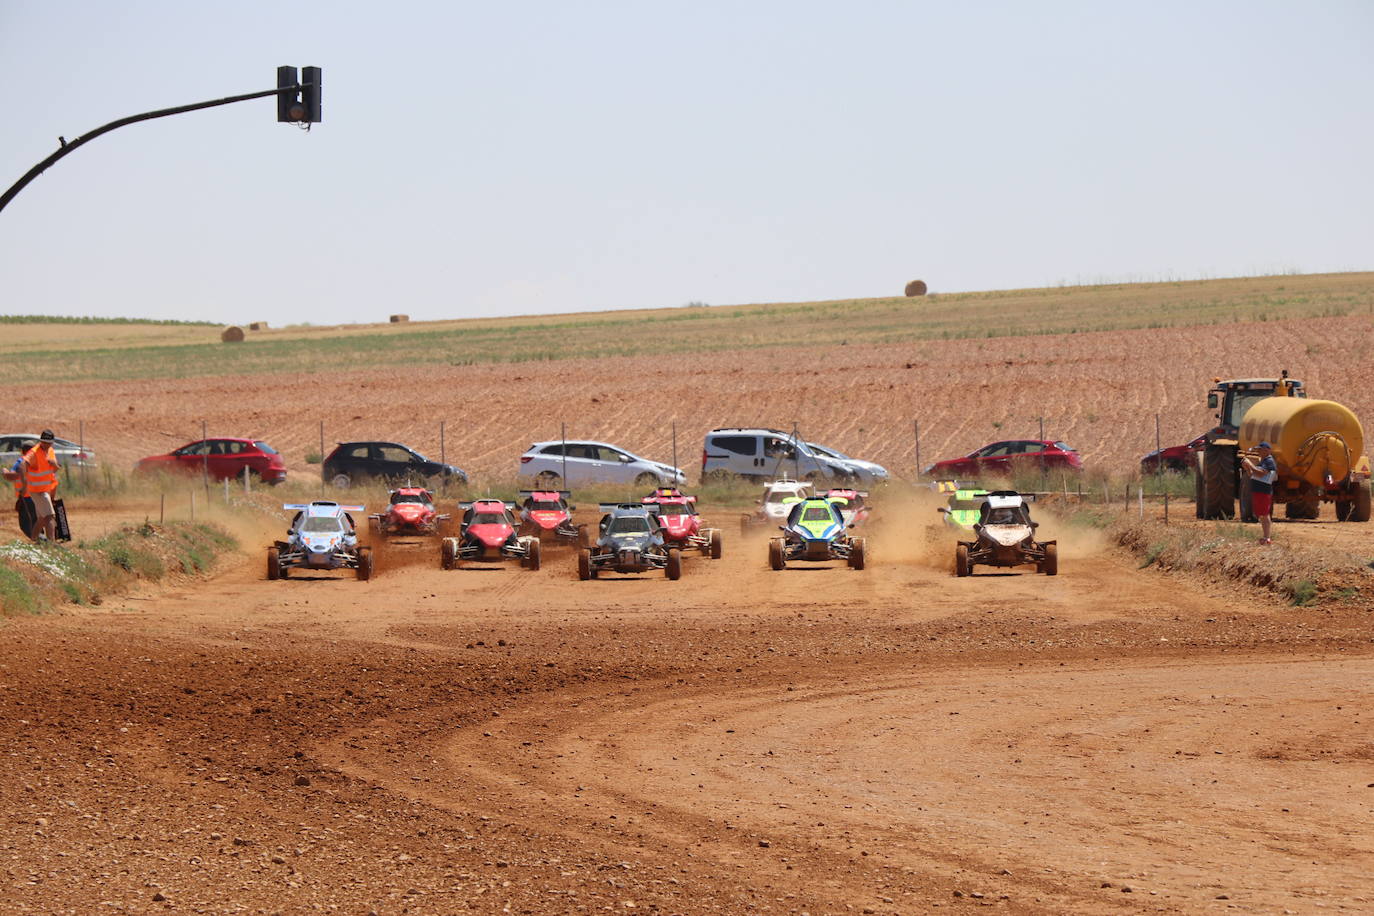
(1005, 537)
(322, 536)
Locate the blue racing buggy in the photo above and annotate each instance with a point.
(322, 536)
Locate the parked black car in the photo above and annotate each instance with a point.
(351, 462)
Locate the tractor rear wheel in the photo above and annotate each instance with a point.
(1219, 481)
(364, 564)
(673, 568)
(857, 553)
(713, 536)
(532, 558)
(584, 564)
(1359, 511)
(1050, 565)
(961, 564)
(273, 563)
(1302, 508)
(775, 557)
(1199, 499)
(448, 553)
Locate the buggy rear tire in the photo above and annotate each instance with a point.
(673, 568)
(584, 563)
(715, 547)
(364, 564)
(857, 553)
(962, 567)
(273, 563)
(775, 558)
(1050, 565)
(532, 560)
(448, 553)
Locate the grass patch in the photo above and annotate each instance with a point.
(36, 577)
(1303, 592)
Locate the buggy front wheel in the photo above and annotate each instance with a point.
(857, 553)
(532, 558)
(448, 553)
(273, 563)
(584, 564)
(364, 564)
(1050, 565)
(714, 548)
(775, 557)
(962, 567)
(673, 568)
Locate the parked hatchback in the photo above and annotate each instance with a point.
(1009, 456)
(762, 454)
(221, 458)
(1179, 458)
(351, 462)
(546, 464)
(68, 453)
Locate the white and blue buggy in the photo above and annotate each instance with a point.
(322, 536)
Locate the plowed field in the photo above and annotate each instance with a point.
(1098, 391)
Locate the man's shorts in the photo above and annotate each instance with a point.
(1260, 503)
(42, 505)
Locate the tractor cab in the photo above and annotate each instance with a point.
(1232, 398)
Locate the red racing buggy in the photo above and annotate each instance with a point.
(547, 514)
(411, 512)
(853, 505)
(682, 527)
(488, 535)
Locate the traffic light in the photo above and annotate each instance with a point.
(298, 99)
(289, 108)
(310, 94)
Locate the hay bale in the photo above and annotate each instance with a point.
(916, 288)
(397, 319)
(258, 326)
(232, 335)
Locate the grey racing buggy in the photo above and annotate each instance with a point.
(322, 536)
(1006, 537)
(628, 540)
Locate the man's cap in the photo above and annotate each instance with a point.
(1264, 445)
(46, 435)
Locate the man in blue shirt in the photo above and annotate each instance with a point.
(1262, 473)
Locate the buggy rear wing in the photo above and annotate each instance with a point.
(301, 507)
(609, 507)
(530, 494)
(468, 505)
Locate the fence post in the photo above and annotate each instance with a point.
(226, 490)
(193, 505)
(322, 458)
(918, 448)
(162, 508)
(205, 456)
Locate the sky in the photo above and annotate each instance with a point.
(488, 159)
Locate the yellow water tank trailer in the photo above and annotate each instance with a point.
(1315, 442)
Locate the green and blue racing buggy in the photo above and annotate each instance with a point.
(816, 531)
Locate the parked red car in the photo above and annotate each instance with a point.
(223, 458)
(1173, 458)
(1008, 456)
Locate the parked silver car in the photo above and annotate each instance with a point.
(755, 453)
(12, 445)
(869, 473)
(544, 464)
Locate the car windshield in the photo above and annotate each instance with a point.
(397, 498)
(629, 524)
(1004, 516)
(1064, 447)
(489, 518)
(827, 452)
(677, 509)
(777, 496)
(322, 524)
(545, 505)
(265, 448)
(817, 514)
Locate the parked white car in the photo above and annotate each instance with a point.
(869, 473)
(546, 465)
(12, 445)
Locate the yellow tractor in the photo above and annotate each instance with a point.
(1317, 445)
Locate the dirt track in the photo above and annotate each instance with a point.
(816, 740)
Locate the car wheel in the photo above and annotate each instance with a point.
(775, 557)
(715, 545)
(857, 553)
(547, 480)
(532, 560)
(647, 480)
(1050, 566)
(341, 481)
(584, 564)
(273, 563)
(448, 553)
(961, 564)
(673, 568)
(364, 564)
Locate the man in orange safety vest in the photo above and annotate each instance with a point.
(39, 469)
